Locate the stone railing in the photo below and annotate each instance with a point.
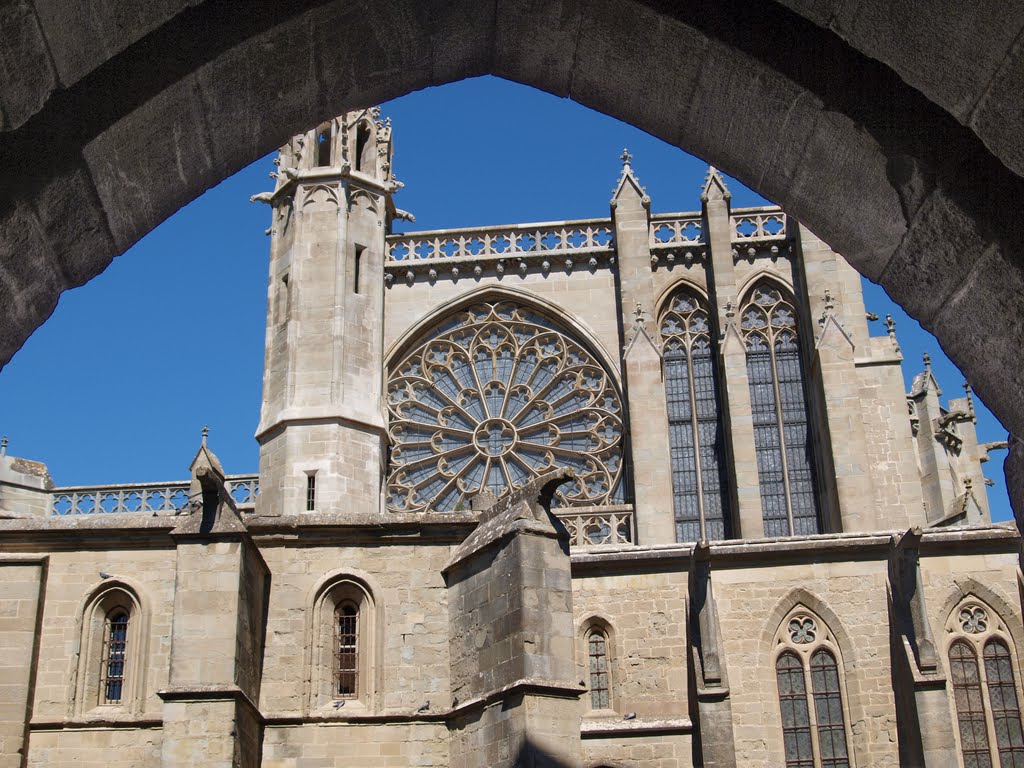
(594, 526)
(676, 229)
(757, 224)
(144, 498)
(560, 238)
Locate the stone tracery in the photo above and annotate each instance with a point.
(495, 395)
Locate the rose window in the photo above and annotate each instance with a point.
(494, 396)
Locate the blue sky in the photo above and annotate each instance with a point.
(116, 386)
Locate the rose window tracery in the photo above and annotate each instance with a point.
(494, 396)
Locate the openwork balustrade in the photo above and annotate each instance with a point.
(749, 225)
(144, 498)
(523, 240)
(594, 526)
(676, 229)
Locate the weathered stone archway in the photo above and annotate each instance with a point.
(893, 132)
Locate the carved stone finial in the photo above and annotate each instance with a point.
(638, 314)
(625, 157)
(970, 401)
(3, 446)
(968, 484)
(829, 302)
(206, 433)
(730, 311)
(927, 362)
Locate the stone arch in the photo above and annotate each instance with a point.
(330, 590)
(576, 326)
(797, 597)
(747, 285)
(967, 586)
(681, 284)
(99, 600)
(929, 212)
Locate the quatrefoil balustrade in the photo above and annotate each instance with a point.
(494, 396)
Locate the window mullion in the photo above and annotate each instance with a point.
(696, 443)
(782, 436)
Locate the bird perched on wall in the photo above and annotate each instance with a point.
(339, 704)
(424, 706)
(104, 575)
(630, 716)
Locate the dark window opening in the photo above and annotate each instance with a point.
(115, 647)
(356, 268)
(323, 145)
(364, 149)
(346, 652)
(311, 492)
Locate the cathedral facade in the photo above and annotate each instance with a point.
(641, 490)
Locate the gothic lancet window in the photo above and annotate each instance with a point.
(984, 688)
(115, 655)
(597, 656)
(493, 396)
(807, 672)
(696, 436)
(344, 654)
(785, 466)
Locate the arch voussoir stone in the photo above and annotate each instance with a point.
(908, 184)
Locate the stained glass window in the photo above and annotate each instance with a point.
(970, 707)
(696, 437)
(597, 650)
(828, 710)
(796, 722)
(495, 395)
(346, 651)
(115, 648)
(1002, 694)
(785, 466)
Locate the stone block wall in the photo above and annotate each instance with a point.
(368, 745)
(22, 582)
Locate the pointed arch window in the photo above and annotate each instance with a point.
(785, 466)
(985, 694)
(807, 671)
(696, 435)
(495, 395)
(115, 656)
(346, 651)
(597, 655)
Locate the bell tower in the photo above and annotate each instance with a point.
(322, 430)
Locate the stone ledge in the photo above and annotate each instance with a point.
(637, 727)
(97, 723)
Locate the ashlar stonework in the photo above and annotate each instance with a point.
(641, 490)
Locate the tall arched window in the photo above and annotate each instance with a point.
(343, 646)
(494, 395)
(785, 466)
(985, 695)
(115, 656)
(807, 672)
(346, 651)
(597, 656)
(111, 660)
(696, 436)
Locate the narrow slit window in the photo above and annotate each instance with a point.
(283, 299)
(346, 655)
(311, 491)
(597, 651)
(323, 145)
(115, 648)
(364, 150)
(357, 263)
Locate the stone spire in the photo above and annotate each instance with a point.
(714, 187)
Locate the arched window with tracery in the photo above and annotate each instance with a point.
(494, 395)
(696, 435)
(785, 466)
(811, 697)
(984, 687)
